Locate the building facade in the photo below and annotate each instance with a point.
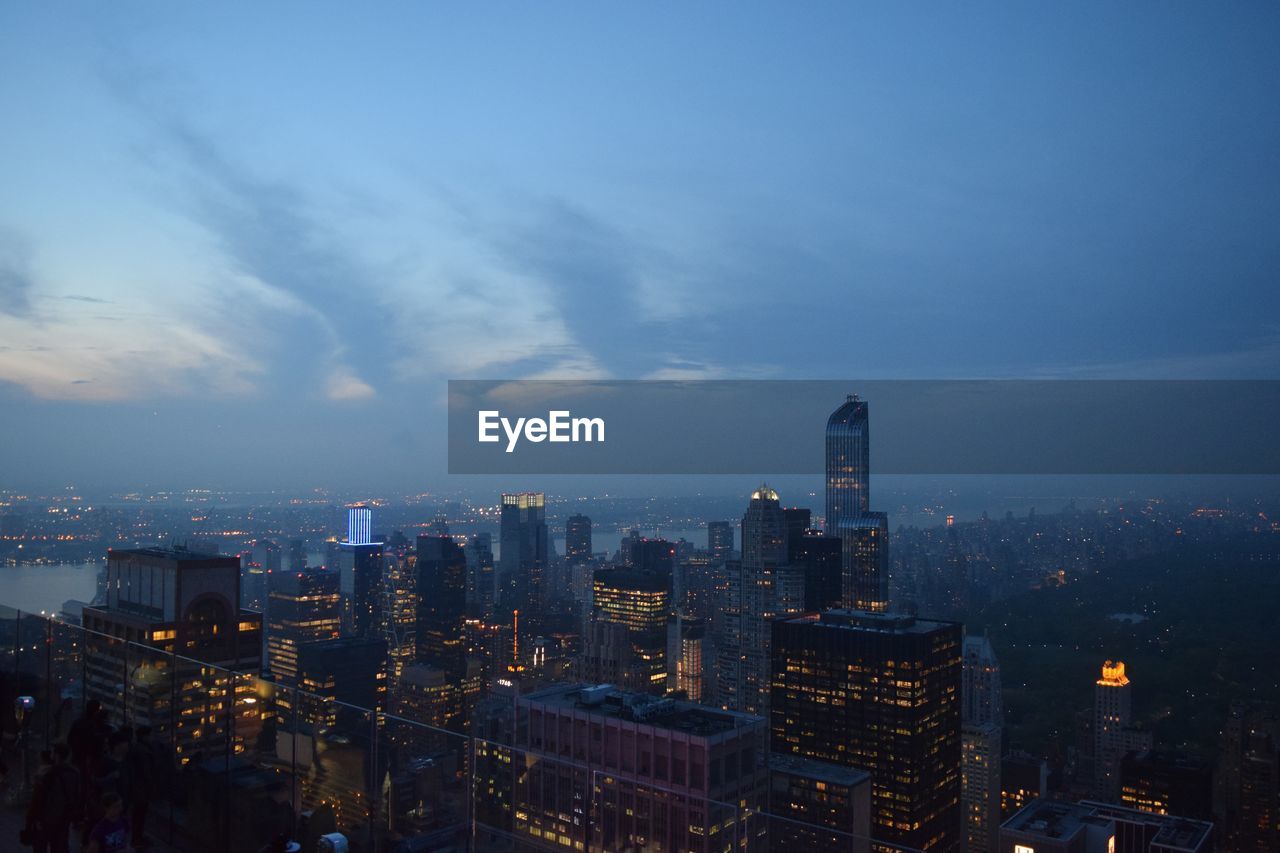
(880, 693)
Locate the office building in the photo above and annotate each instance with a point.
(981, 691)
(523, 552)
(481, 583)
(1249, 779)
(360, 567)
(359, 525)
(686, 648)
(848, 458)
(980, 745)
(818, 558)
(864, 534)
(442, 600)
(763, 585)
(796, 520)
(305, 607)
(1113, 732)
(1023, 778)
(815, 805)
(1164, 781)
(638, 603)
(720, 540)
(1050, 826)
(577, 539)
(981, 736)
(185, 606)
(653, 556)
(630, 771)
(879, 693)
(399, 616)
(348, 671)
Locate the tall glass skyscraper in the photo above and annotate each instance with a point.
(848, 462)
(864, 535)
(522, 560)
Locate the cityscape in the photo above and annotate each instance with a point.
(497, 678)
(639, 428)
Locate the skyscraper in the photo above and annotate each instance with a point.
(797, 519)
(347, 671)
(305, 607)
(881, 693)
(653, 556)
(361, 571)
(1113, 731)
(522, 561)
(980, 745)
(399, 616)
(480, 579)
(819, 558)
(359, 525)
(982, 718)
(864, 534)
(638, 772)
(1167, 782)
(982, 688)
(639, 603)
(185, 605)
(816, 805)
(442, 602)
(848, 462)
(720, 540)
(577, 539)
(770, 587)
(864, 561)
(686, 643)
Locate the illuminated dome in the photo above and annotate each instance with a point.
(764, 493)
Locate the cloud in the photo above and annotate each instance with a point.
(345, 386)
(91, 365)
(16, 282)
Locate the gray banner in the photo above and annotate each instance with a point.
(916, 426)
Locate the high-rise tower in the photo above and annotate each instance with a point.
(522, 560)
(361, 572)
(1113, 732)
(577, 539)
(864, 534)
(882, 693)
(982, 714)
(848, 462)
(442, 600)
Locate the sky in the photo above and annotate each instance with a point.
(246, 246)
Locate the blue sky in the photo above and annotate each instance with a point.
(233, 237)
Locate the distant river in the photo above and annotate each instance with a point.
(35, 588)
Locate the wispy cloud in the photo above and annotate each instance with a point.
(16, 282)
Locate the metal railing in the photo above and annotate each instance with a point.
(237, 761)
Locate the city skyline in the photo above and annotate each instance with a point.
(433, 429)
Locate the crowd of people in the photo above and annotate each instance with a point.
(99, 782)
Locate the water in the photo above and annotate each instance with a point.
(36, 588)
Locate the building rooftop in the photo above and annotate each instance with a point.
(1051, 819)
(889, 623)
(1174, 833)
(609, 701)
(821, 771)
(177, 553)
